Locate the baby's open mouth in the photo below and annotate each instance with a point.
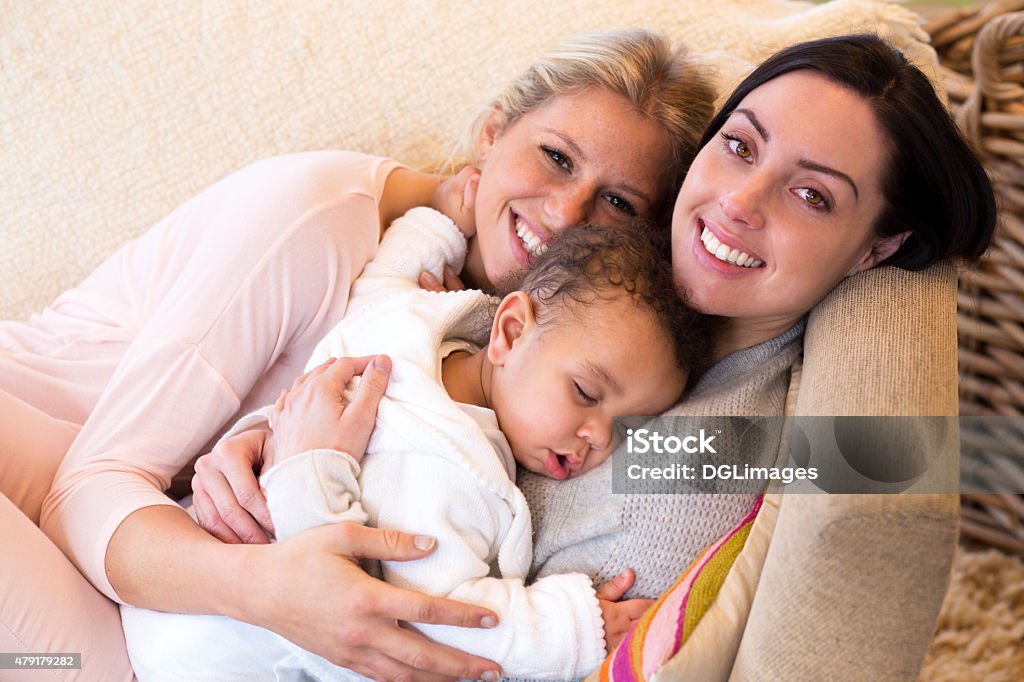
(557, 465)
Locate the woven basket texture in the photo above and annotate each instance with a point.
(981, 51)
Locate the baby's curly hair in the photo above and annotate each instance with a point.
(591, 264)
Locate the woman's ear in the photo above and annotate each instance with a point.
(490, 131)
(513, 320)
(880, 250)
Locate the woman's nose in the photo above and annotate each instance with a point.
(566, 207)
(745, 204)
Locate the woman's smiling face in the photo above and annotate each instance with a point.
(587, 158)
(780, 205)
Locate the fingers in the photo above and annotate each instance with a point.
(617, 586)
(229, 503)
(246, 490)
(220, 514)
(470, 188)
(634, 608)
(354, 540)
(451, 280)
(377, 666)
(420, 655)
(313, 373)
(360, 415)
(341, 370)
(335, 374)
(428, 282)
(416, 607)
(210, 521)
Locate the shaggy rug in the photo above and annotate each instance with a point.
(980, 635)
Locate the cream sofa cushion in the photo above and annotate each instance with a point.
(112, 113)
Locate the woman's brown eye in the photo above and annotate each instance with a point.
(736, 146)
(814, 198)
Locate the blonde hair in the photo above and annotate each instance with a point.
(660, 81)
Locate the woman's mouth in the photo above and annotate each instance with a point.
(532, 242)
(724, 253)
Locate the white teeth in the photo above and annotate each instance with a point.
(724, 253)
(534, 246)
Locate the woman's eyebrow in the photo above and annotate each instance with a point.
(752, 117)
(804, 163)
(811, 165)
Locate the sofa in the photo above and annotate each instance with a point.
(113, 113)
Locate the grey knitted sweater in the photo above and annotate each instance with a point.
(581, 526)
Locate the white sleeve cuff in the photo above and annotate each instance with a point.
(313, 488)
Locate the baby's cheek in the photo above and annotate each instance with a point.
(595, 460)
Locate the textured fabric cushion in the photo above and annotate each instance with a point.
(112, 113)
(852, 584)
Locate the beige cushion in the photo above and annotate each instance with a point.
(112, 113)
(852, 584)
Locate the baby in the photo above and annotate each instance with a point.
(594, 330)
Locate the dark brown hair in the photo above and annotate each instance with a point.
(933, 185)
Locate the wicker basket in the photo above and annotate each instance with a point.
(982, 57)
(982, 60)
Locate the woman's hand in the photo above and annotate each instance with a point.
(316, 595)
(225, 493)
(619, 616)
(314, 413)
(451, 281)
(456, 198)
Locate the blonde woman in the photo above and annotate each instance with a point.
(122, 380)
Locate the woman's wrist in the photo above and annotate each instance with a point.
(158, 558)
(247, 594)
(268, 453)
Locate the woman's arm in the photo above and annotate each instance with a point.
(406, 189)
(220, 297)
(163, 558)
(352, 621)
(225, 293)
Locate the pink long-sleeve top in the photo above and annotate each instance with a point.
(205, 317)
